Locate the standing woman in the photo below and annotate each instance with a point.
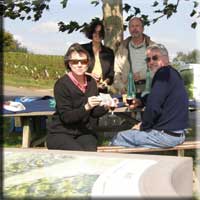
(76, 105)
(102, 57)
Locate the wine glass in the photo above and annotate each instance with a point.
(112, 106)
(129, 100)
(113, 120)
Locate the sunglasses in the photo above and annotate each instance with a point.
(154, 58)
(75, 62)
(98, 33)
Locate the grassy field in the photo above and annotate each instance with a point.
(31, 70)
(18, 81)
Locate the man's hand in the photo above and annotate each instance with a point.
(135, 103)
(137, 126)
(123, 91)
(95, 76)
(136, 76)
(102, 85)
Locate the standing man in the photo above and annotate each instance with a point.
(166, 114)
(132, 50)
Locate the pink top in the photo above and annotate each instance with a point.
(81, 87)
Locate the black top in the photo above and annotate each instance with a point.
(70, 116)
(106, 57)
(167, 104)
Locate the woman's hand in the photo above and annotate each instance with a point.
(92, 102)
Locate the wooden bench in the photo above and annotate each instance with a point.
(179, 148)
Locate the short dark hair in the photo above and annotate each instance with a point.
(76, 47)
(91, 29)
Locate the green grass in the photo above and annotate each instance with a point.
(27, 82)
(11, 139)
(32, 69)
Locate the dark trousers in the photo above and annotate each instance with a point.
(68, 142)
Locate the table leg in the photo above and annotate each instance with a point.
(180, 152)
(26, 137)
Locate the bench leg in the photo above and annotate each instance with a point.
(180, 152)
(26, 137)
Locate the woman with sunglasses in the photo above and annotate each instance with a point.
(77, 105)
(102, 57)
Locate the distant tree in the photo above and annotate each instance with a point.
(20, 48)
(10, 44)
(192, 57)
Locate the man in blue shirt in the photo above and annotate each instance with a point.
(165, 117)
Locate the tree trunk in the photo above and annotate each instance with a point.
(113, 22)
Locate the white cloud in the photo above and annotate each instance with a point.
(46, 27)
(18, 38)
(48, 48)
(45, 49)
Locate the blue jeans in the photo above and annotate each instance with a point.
(150, 139)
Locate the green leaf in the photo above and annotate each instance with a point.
(155, 20)
(126, 7)
(29, 17)
(194, 24)
(155, 4)
(145, 20)
(22, 18)
(193, 13)
(158, 11)
(129, 17)
(64, 3)
(195, 4)
(125, 27)
(137, 11)
(72, 26)
(95, 3)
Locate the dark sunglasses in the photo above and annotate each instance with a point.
(99, 33)
(75, 62)
(154, 58)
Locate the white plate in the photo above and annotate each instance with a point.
(14, 106)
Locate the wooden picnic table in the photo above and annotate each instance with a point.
(25, 119)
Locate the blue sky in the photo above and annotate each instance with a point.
(43, 37)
